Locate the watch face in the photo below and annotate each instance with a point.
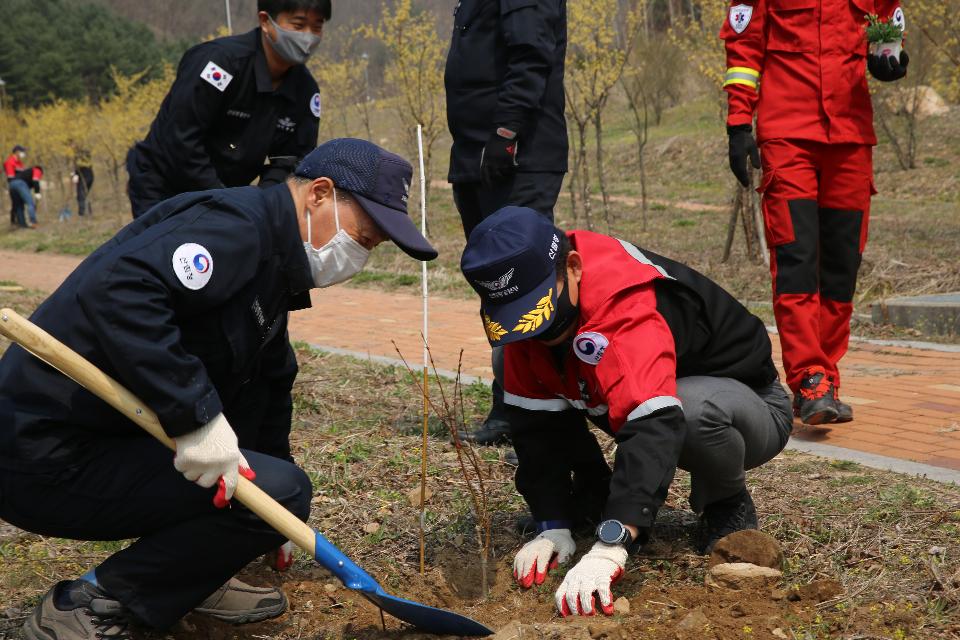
(610, 532)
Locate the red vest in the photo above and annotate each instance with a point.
(622, 361)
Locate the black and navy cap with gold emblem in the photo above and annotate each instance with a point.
(510, 261)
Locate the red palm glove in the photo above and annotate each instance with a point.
(597, 570)
(548, 550)
(220, 500)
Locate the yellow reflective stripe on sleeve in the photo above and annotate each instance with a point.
(746, 70)
(749, 83)
(742, 75)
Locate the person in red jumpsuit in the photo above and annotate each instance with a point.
(800, 66)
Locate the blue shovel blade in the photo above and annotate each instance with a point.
(429, 619)
(425, 618)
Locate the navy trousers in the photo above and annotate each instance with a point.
(185, 548)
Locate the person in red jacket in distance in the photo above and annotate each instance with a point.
(800, 66)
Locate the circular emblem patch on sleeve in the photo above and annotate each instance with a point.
(193, 265)
(898, 18)
(315, 105)
(589, 346)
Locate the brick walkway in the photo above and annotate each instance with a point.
(906, 400)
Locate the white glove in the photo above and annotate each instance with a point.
(38, 196)
(75, 179)
(210, 453)
(597, 570)
(549, 549)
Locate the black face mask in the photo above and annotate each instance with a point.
(566, 314)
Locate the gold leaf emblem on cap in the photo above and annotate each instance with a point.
(531, 320)
(494, 330)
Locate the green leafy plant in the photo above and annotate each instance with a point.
(879, 30)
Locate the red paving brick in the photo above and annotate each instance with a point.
(906, 401)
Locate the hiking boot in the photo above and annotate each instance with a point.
(77, 610)
(492, 432)
(815, 402)
(844, 412)
(726, 516)
(239, 603)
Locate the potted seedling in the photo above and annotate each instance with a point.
(884, 37)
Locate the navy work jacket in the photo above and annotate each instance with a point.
(505, 69)
(222, 118)
(186, 307)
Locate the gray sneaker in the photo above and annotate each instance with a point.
(77, 610)
(239, 603)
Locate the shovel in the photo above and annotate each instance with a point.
(59, 356)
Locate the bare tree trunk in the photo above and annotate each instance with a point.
(601, 177)
(574, 175)
(584, 172)
(365, 115)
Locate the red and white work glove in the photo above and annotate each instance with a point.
(548, 550)
(597, 570)
(211, 455)
(282, 558)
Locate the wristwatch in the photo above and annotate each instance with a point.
(613, 532)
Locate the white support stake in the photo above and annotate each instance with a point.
(423, 230)
(426, 361)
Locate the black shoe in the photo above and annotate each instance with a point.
(77, 610)
(491, 433)
(815, 402)
(726, 516)
(844, 412)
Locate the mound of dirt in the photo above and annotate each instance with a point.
(749, 545)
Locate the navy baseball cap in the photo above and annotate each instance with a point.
(510, 260)
(378, 179)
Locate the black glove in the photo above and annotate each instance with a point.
(499, 158)
(742, 144)
(888, 68)
(277, 171)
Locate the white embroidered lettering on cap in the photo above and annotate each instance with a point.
(590, 346)
(193, 265)
(339, 259)
(740, 17)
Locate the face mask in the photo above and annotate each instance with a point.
(338, 260)
(566, 314)
(293, 46)
(22, 155)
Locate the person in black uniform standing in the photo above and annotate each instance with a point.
(505, 102)
(236, 102)
(187, 307)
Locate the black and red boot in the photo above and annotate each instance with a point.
(816, 400)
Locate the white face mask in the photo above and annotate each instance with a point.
(338, 260)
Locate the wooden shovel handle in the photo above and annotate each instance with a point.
(83, 372)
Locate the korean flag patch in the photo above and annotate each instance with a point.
(740, 15)
(216, 76)
(315, 105)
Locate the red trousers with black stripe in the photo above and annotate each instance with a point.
(816, 208)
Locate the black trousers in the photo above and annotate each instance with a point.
(539, 191)
(185, 548)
